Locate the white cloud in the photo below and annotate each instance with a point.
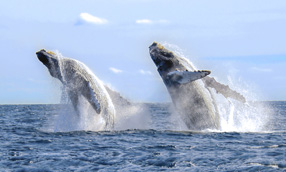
(261, 69)
(92, 19)
(144, 21)
(144, 72)
(114, 70)
(147, 21)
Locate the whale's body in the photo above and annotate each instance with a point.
(190, 89)
(79, 81)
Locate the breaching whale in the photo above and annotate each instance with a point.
(79, 81)
(190, 89)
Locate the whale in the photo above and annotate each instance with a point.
(190, 89)
(79, 81)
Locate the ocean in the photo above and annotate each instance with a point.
(29, 142)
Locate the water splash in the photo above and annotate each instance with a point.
(252, 116)
(68, 120)
(135, 116)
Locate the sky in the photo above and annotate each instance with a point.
(241, 42)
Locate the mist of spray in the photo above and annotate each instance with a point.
(135, 116)
(252, 116)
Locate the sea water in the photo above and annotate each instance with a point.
(30, 142)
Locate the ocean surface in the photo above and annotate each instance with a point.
(29, 142)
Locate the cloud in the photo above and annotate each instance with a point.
(144, 72)
(144, 21)
(147, 21)
(114, 70)
(86, 17)
(261, 69)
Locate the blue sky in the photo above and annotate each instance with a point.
(241, 42)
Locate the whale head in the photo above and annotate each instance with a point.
(51, 61)
(164, 59)
(172, 68)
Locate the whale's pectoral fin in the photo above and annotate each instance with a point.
(183, 77)
(223, 89)
(74, 99)
(91, 96)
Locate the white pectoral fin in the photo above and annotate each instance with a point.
(91, 96)
(224, 89)
(184, 77)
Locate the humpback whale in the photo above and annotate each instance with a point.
(79, 81)
(190, 90)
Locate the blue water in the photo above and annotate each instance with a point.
(27, 144)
